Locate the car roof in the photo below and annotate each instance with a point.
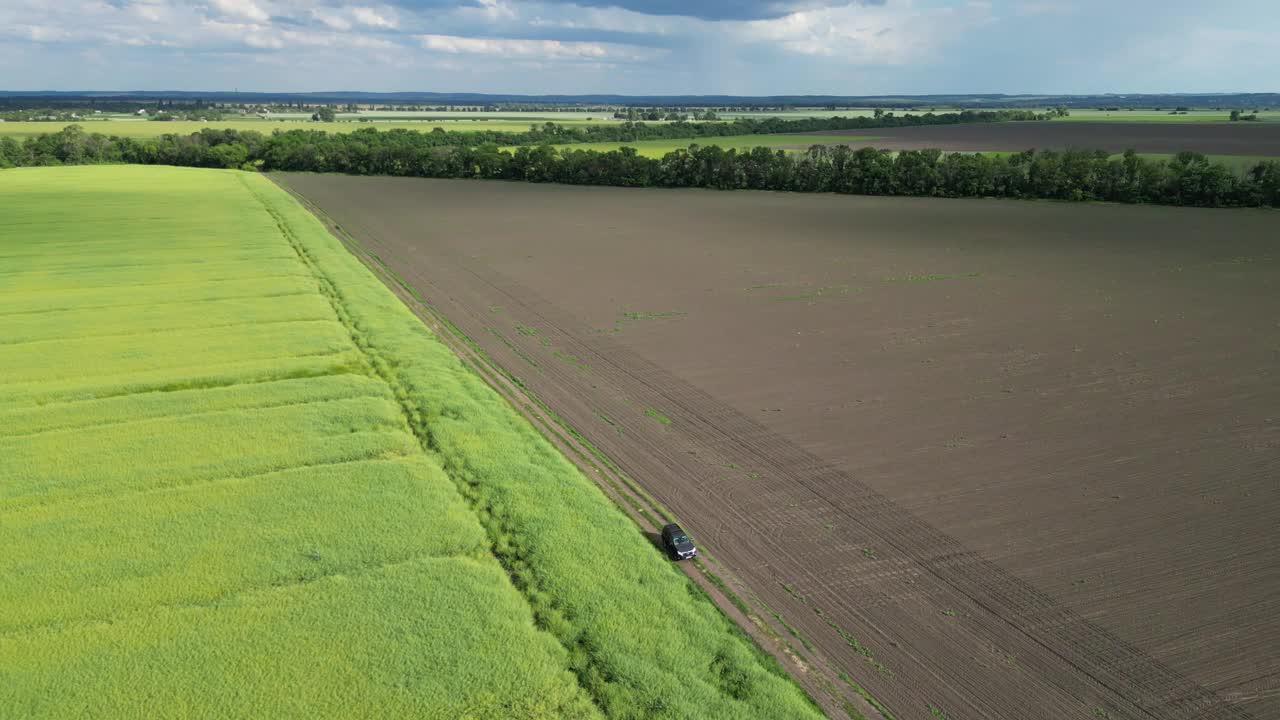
(671, 528)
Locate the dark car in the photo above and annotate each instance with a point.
(677, 543)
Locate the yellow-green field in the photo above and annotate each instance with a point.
(148, 128)
(239, 479)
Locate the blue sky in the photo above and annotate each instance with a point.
(749, 47)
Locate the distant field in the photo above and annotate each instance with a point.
(658, 148)
(218, 497)
(1242, 139)
(1237, 162)
(569, 116)
(798, 114)
(148, 128)
(1191, 116)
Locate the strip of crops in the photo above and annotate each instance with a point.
(238, 478)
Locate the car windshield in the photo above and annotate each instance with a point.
(680, 539)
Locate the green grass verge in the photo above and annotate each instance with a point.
(642, 640)
(242, 479)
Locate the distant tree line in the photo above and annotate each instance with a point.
(1186, 179)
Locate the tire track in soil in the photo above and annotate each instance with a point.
(1009, 651)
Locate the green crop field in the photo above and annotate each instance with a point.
(658, 148)
(239, 479)
(557, 116)
(148, 128)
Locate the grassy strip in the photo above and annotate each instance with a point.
(639, 640)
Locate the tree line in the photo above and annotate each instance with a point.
(560, 134)
(1188, 178)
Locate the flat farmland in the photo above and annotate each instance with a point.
(148, 128)
(1255, 138)
(659, 148)
(238, 478)
(994, 459)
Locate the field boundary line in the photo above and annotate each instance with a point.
(91, 498)
(198, 282)
(177, 416)
(353, 571)
(161, 331)
(197, 301)
(407, 411)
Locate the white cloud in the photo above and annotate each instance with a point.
(889, 34)
(507, 47)
(1032, 8)
(243, 9)
(532, 49)
(614, 19)
(331, 19)
(372, 18)
(496, 9)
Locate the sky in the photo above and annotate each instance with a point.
(658, 47)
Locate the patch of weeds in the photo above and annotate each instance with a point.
(526, 330)
(936, 711)
(511, 346)
(828, 291)
(930, 278)
(729, 594)
(496, 309)
(617, 428)
(635, 316)
(653, 413)
(794, 632)
(1101, 713)
(793, 592)
(766, 286)
(851, 711)
(573, 360)
(869, 554)
(949, 612)
(862, 692)
(858, 647)
(638, 316)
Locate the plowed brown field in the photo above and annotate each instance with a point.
(996, 459)
(1255, 139)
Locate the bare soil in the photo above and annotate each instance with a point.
(998, 459)
(1210, 138)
